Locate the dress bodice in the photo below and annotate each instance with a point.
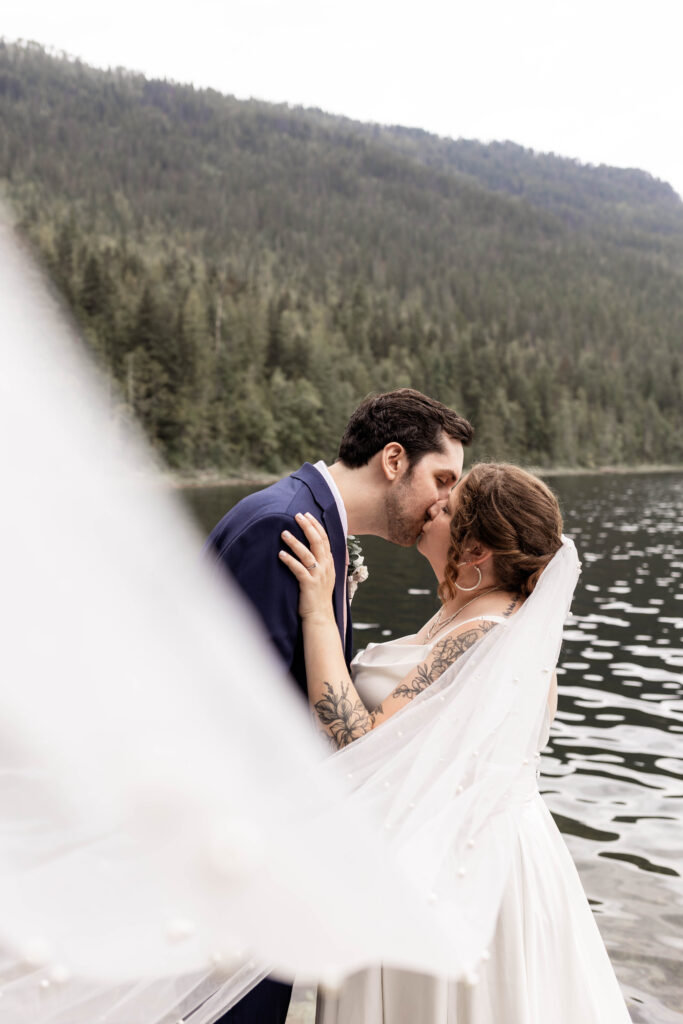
(379, 668)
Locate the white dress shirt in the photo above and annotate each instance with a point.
(327, 476)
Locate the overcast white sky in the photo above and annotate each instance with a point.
(600, 80)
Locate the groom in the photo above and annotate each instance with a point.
(399, 457)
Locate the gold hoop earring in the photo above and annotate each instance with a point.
(476, 585)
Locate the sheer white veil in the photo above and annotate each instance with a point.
(171, 827)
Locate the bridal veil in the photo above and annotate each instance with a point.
(172, 828)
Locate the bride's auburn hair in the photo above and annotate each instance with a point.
(513, 513)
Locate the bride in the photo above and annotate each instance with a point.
(488, 548)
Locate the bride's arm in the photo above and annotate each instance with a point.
(331, 692)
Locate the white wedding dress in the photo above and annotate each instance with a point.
(547, 962)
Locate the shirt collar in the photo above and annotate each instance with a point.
(327, 477)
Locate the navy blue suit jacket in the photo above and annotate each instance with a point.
(246, 542)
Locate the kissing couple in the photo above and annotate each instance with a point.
(439, 731)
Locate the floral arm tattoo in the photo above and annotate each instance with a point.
(343, 715)
(345, 718)
(446, 652)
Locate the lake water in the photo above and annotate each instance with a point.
(612, 774)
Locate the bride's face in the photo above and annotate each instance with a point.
(435, 539)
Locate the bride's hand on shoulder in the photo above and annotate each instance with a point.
(313, 567)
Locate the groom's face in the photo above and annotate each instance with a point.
(420, 492)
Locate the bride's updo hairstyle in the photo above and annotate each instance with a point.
(514, 514)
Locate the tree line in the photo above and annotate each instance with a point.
(246, 272)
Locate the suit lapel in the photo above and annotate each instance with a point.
(349, 630)
(325, 500)
(334, 529)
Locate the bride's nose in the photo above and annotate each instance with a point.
(433, 510)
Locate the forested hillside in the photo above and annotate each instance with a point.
(246, 272)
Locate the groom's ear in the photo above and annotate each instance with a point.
(393, 460)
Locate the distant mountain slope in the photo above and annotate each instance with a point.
(582, 194)
(247, 271)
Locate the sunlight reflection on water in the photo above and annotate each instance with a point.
(613, 773)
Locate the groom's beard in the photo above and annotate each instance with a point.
(404, 524)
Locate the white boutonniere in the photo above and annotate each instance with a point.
(358, 570)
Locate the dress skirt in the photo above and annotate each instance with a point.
(547, 961)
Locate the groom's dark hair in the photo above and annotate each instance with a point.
(407, 416)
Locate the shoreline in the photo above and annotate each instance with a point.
(194, 480)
